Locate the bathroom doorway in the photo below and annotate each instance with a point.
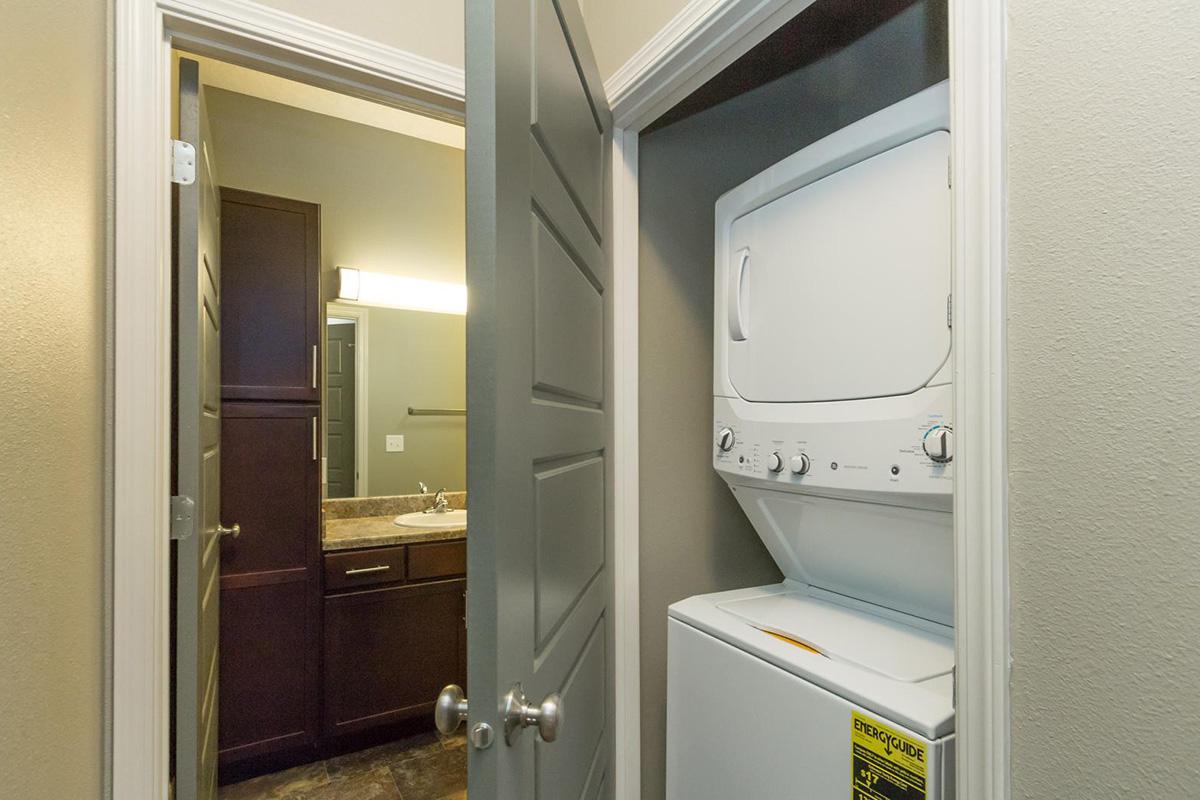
(343, 342)
(321, 607)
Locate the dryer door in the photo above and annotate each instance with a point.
(839, 290)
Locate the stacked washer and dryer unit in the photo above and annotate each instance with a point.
(832, 427)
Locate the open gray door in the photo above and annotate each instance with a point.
(197, 502)
(538, 425)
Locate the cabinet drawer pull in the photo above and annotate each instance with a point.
(368, 570)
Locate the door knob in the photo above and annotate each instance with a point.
(234, 530)
(518, 715)
(451, 709)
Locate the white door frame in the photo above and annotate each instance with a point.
(704, 38)
(251, 35)
(361, 342)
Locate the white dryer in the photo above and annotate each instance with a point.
(831, 425)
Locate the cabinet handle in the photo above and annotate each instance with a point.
(314, 423)
(314, 366)
(368, 570)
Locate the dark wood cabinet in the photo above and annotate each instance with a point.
(270, 647)
(270, 583)
(268, 683)
(270, 298)
(390, 648)
(389, 651)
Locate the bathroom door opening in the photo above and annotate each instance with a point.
(324, 607)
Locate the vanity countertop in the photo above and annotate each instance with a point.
(354, 522)
(356, 532)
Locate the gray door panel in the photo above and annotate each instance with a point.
(539, 391)
(340, 434)
(564, 119)
(568, 321)
(197, 456)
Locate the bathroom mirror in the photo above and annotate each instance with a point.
(395, 400)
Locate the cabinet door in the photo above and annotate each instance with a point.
(270, 305)
(270, 584)
(388, 652)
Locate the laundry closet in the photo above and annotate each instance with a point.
(795, 397)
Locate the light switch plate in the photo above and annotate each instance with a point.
(395, 442)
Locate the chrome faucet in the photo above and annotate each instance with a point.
(440, 504)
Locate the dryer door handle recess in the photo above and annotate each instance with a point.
(739, 327)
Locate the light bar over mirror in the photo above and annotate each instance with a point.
(397, 291)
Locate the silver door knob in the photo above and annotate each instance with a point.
(234, 530)
(451, 709)
(519, 715)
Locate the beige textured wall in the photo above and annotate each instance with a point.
(1104, 397)
(52, 290)
(429, 28)
(619, 28)
(389, 203)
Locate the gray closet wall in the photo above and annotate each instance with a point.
(694, 538)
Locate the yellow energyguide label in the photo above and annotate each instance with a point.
(886, 764)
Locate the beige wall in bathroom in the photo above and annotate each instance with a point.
(1104, 397)
(416, 358)
(52, 301)
(389, 203)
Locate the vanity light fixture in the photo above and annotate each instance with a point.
(397, 291)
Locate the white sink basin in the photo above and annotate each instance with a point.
(419, 519)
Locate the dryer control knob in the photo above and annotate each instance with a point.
(725, 439)
(775, 462)
(939, 445)
(800, 464)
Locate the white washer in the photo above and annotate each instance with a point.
(831, 423)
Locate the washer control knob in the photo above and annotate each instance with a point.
(939, 444)
(775, 462)
(725, 439)
(800, 464)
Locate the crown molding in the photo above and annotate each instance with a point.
(307, 50)
(701, 40)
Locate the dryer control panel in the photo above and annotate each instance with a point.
(891, 449)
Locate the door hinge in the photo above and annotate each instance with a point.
(183, 516)
(949, 311)
(183, 163)
(949, 182)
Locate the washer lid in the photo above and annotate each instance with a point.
(891, 648)
(839, 290)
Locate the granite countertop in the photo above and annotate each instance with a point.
(358, 522)
(355, 532)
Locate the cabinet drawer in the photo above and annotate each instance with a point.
(364, 568)
(438, 560)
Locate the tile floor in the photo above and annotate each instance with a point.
(422, 767)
